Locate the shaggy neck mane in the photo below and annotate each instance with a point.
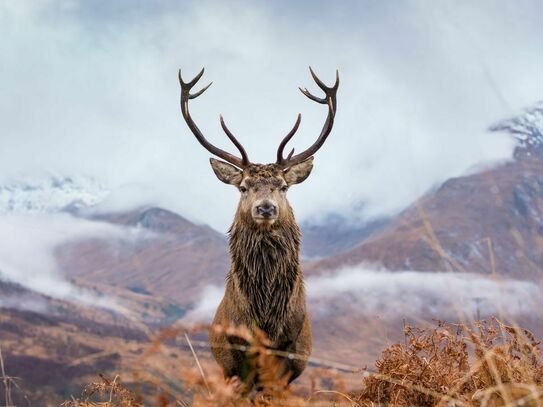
(266, 269)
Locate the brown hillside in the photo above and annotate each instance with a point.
(174, 262)
(485, 222)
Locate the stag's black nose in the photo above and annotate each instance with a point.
(267, 210)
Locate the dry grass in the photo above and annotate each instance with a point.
(485, 364)
(207, 387)
(106, 393)
(9, 383)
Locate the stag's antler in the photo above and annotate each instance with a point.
(185, 97)
(330, 100)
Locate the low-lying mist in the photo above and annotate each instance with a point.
(404, 294)
(25, 303)
(27, 253)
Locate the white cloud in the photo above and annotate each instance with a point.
(442, 295)
(27, 246)
(405, 294)
(25, 303)
(205, 308)
(93, 90)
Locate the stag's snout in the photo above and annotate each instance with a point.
(265, 211)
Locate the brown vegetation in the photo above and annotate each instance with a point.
(486, 364)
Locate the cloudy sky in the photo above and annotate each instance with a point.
(90, 88)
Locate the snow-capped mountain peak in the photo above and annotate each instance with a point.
(47, 194)
(527, 128)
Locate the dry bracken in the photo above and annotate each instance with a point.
(487, 363)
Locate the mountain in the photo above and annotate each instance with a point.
(178, 259)
(487, 222)
(527, 128)
(174, 262)
(334, 234)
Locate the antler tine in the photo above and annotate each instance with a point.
(321, 83)
(185, 97)
(312, 97)
(186, 87)
(195, 95)
(244, 156)
(327, 90)
(285, 141)
(331, 101)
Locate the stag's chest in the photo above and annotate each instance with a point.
(268, 295)
(266, 275)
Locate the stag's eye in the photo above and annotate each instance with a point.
(284, 188)
(243, 189)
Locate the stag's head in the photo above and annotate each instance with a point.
(263, 187)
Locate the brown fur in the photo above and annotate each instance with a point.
(264, 287)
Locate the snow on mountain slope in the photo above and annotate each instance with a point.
(49, 194)
(527, 128)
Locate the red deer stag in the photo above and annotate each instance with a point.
(264, 287)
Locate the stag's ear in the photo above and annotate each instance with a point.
(227, 173)
(299, 172)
